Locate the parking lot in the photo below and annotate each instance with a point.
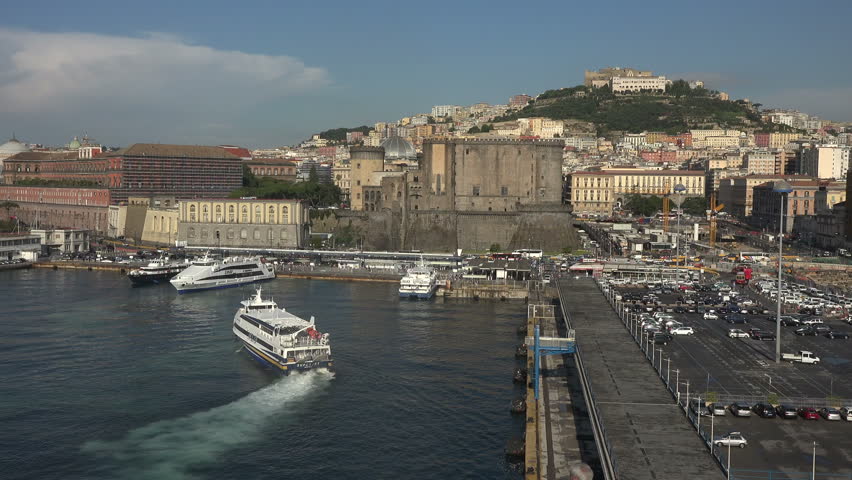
(744, 369)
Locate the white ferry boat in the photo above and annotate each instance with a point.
(420, 281)
(209, 273)
(158, 271)
(277, 338)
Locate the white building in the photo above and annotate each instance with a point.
(760, 163)
(63, 240)
(444, 110)
(825, 161)
(638, 84)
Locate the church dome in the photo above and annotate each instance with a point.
(12, 147)
(398, 148)
(75, 144)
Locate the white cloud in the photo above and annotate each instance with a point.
(42, 73)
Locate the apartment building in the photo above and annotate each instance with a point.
(825, 161)
(598, 192)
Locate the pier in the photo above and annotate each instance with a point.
(639, 432)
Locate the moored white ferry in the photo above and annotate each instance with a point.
(420, 281)
(208, 273)
(279, 339)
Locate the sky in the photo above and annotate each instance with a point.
(265, 74)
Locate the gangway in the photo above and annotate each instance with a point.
(548, 346)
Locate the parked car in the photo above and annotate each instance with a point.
(716, 409)
(764, 410)
(710, 316)
(733, 439)
(740, 409)
(808, 413)
(812, 321)
(764, 336)
(802, 331)
(735, 318)
(785, 411)
(829, 413)
(698, 408)
(682, 331)
(846, 413)
(837, 335)
(737, 333)
(662, 338)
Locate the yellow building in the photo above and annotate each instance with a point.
(598, 192)
(249, 223)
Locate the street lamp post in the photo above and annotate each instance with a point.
(678, 198)
(813, 464)
(781, 187)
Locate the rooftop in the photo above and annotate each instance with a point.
(179, 151)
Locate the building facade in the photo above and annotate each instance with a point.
(638, 84)
(243, 223)
(760, 163)
(598, 192)
(277, 168)
(801, 201)
(828, 162)
(604, 75)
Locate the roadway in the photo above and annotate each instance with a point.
(648, 434)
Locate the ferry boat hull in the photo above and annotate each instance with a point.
(152, 279)
(275, 362)
(230, 283)
(417, 295)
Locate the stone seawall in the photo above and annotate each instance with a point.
(443, 231)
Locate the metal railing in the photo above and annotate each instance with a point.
(604, 448)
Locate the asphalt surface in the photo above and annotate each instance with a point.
(649, 435)
(742, 369)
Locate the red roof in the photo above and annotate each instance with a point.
(238, 151)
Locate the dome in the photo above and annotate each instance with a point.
(12, 147)
(75, 144)
(398, 148)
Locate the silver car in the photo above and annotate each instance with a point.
(830, 413)
(846, 413)
(716, 409)
(733, 439)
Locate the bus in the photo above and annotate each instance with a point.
(528, 253)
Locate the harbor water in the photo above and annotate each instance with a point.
(103, 381)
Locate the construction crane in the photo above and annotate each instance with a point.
(711, 218)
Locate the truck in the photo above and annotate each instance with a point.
(802, 356)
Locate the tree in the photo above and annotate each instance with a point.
(486, 128)
(313, 176)
(473, 129)
(495, 247)
(249, 178)
(678, 88)
(643, 205)
(694, 206)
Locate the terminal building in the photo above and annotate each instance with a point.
(243, 223)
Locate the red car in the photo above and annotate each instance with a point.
(808, 413)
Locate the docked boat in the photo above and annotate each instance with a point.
(420, 281)
(208, 273)
(158, 271)
(279, 339)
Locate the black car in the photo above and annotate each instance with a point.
(764, 410)
(662, 338)
(765, 336)
(679, 309)
(735, 318)
(806, 331)
(786, 411)
(836, 335)
(821, 329)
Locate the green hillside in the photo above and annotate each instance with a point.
(339, 134)
(677, 111)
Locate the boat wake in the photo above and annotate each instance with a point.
(170, 449)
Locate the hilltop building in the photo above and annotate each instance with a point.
(605, 75)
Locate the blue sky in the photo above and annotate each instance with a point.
(272, 73)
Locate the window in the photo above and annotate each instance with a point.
(244, 215)
(271, 218)
(358, 166)
(231, 233)
(205, 214)
(218, 213)
(284, 214)
(269, 235)
(504, 190)
(256, 234)
(476, 190)
(192, 213)
(243, 233)
(204, 234)
(231, 216)
(257, 214)
(191, 233)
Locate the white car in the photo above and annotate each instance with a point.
(734, 439)
(683, 331)
(711, 316)
(812, 321)
(737, 333)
